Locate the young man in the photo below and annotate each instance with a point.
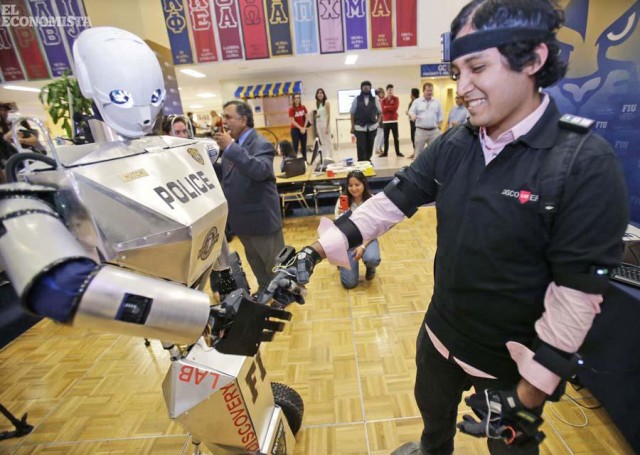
(516, 289)
(427, 113)
(365, 115)
(390, 105)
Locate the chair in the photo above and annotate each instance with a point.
(324, 188)
(294, 194)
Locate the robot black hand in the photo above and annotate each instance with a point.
(503, 416)
(305, 261)
(239, 325)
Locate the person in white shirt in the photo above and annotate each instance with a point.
(427, 113)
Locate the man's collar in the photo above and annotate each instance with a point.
(243, 136)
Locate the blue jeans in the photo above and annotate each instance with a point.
(371, 259)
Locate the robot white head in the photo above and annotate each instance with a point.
(122, 75)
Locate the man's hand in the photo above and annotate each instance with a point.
(223, 139)
(503, 416)
(358, 252)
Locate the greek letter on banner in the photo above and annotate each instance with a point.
(254, 29)
(25, 39)
(228, 23)
(51, 36)
(406, 23)
(202, 29)
(305, 27)
(176, 21)
(72, 9)
(279, 20)
(355, 18)
(381, 24)
(330, 25)
(9, 63)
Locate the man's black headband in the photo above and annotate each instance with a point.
(485, 39)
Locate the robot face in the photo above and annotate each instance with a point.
(123, 77)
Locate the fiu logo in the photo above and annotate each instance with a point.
(599, 39)
(175, 19)
(226, 14)
(208, 243)
(278, 14)
(195, 155)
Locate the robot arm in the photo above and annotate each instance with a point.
(55, 277)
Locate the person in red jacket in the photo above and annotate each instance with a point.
(390, 104)
(298, 121)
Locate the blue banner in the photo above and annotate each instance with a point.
(355, 21)
(602, 81)
(73, 14)
(175, 19)
(305, 26)
(434, 70)
(51, 36)
(279, 22)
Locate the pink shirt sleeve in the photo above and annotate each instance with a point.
(373, 218)
(568, 316)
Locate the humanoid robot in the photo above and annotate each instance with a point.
(120, 236)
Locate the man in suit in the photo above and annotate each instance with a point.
(249, 184)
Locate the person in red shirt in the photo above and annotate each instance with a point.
(298, 120)
(390, 105)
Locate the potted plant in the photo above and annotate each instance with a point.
(56, 95)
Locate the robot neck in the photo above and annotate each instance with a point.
(102, 132)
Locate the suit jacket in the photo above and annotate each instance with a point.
(249, 184)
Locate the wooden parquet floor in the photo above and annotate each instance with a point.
(350, 354)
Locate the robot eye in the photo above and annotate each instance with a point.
(121, 98)
(157, 97)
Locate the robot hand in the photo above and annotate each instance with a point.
(238, 325)
(502, 416)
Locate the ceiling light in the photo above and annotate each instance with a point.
(351, 59)
(196, 106)
(192, 73)
(179, 88)
(22, 89)
(207, 95)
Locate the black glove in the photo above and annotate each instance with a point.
(502, 416)
(305, 261)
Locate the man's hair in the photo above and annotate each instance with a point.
(537, 14)
(389, 86)
(243, 110)
(363, 83)
(427, 84)
(166, 124)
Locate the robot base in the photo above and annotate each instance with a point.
(227, 403)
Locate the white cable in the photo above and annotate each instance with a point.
(581, 425)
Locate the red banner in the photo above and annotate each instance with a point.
(202, 30)
(26, 41)
(406, 23)
(228, 24)
(254, 29)
(9, 63)
(381, 24)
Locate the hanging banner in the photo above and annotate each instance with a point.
(25, 38)
(9, 63)
(406, 23)
(355, 19)
(254, 29)
(176, 21)
(330, 26)
(75, 20)
(202, 29)
(305, 27)
(279, 27)
(381, 24)
(228, 23)
(51, 37)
